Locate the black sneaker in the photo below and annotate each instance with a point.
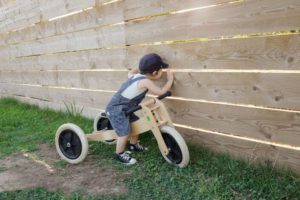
(137, 148)
(125, 158)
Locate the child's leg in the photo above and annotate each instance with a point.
(134, 139)
(121, 144)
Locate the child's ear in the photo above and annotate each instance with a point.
(154, 73)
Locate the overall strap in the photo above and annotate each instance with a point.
(130, 81)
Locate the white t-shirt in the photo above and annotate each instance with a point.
(133, 90)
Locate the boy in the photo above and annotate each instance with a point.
(131, 93)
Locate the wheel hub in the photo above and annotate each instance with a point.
(70, 144)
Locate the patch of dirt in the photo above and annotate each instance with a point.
(41, 169)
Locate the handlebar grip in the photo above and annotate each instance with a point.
(132, 110)
(168, 93)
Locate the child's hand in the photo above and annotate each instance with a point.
(170, 75)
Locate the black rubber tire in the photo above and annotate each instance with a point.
(101, 122)
(71, 143)
(179, 152)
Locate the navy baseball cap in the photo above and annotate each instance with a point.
(150, 63)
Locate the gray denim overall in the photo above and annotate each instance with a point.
(117, 106)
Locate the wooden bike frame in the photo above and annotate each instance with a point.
(153, 116)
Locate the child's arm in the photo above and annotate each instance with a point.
(133, 71)
(155, 89)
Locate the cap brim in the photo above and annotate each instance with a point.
(164, 65)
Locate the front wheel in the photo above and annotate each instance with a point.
(71, 143)
(178, 150)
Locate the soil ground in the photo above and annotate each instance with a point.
(43, 168)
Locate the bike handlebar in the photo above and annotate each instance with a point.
(167, 94)
(138, 107)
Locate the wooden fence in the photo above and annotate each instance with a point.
(236, 63)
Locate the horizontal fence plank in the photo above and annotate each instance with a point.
(61, 96)
(20, 15)
(136, 8)
(266, 125)
(250, 151)
(276, 90)
(31, 17)
(92, 18)
(90, 59)
(37, 10)
(85, 40)
(91, 80)
(278, 52)
(250, 16)
(87, 111)
(13, 9)
(274, 53)
(54, 8)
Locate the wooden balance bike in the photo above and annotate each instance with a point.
(72, 143)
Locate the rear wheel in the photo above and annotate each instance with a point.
(101, 122)
(178, 150)
(71, 143)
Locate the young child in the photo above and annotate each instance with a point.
(131, 93)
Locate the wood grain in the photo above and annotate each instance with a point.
(85, 40)
(276, 90)
(93, 18)
(136, 8)
(263, 53)
(56, 8)
(87, 111)
(276, 53)
(61, 96)
(11, 10)
(89, 59)
(251, 16)
(252, 152)
(25, 13)
(20, 15)
(91, 80)
(267, 125)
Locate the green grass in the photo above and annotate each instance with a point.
(209, 175)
